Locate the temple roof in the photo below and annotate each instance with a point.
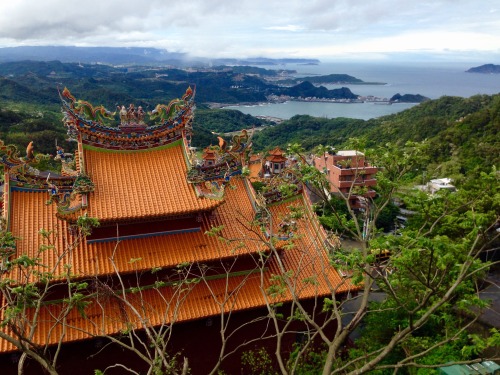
(307, 259)
(276, 155)
(141, 184)
(139, 176)
(30, 214)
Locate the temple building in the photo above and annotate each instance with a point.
(184, 242)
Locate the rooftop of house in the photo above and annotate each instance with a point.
(349, 153)
(442, 181)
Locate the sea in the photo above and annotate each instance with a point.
(430, 79)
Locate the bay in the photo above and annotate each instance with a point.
(289, 109)
(432, 80)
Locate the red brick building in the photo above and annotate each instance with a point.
(349, 174)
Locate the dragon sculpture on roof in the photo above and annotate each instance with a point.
(97, 126)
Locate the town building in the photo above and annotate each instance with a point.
(438, 184)
(349, 174)
(184, 244)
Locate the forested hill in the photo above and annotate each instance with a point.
(463, 132)
(149, 85)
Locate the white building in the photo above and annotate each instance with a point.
(439, 184)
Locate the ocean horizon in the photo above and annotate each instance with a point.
(431, 80)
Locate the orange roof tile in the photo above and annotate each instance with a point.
(203, 299)
(307, 259)
(141, 184)
(308, 256)
(29, 214)
(277, 152)
(255, 169)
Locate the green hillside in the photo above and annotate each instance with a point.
(463, 133)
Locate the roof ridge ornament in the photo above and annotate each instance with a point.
(65, 199)
(218, 165)
(94, 125)
(20, 169)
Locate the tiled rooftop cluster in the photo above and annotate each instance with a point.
(148, 189)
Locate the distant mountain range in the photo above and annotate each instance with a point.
(486, 68)
(128, 56)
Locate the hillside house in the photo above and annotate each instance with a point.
(349, 174)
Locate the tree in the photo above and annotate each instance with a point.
(24, 287)
(432, 273)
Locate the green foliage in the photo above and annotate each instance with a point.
(310, 132)
(86, 223)
(335, 216)
(278, 285)
(258, 185)
(225, 120)
(310, 362)
(387, 217)
(386, 320)
(78, 301)
(7, 239)
(480, 343)
(461, 214)
(258, 362)
(40, 124)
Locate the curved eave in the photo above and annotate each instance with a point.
(33, 182)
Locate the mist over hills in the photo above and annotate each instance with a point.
(127, 56)
(88, 54)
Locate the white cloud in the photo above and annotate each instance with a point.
(215, 28)
(293, 28)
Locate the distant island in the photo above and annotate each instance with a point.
(485, 69)
(337, 79)
(308, 92)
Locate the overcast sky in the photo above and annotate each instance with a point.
(249, 28)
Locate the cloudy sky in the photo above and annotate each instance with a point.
(249, 28)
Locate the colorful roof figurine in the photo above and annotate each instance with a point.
(96, 126)
(222, 161)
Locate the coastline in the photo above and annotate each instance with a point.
(286, 110)
(370, 100)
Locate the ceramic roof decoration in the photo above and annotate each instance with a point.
(99, 127)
